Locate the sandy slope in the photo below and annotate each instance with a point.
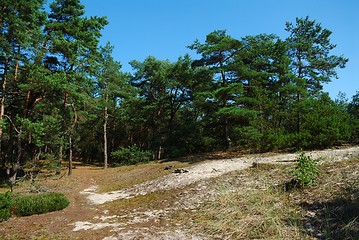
(197, 173)
(94, 215)
(206, 170)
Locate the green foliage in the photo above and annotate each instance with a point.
(5, 206)
(325, 123)
(302, 140)
(40, 203)
(33, 130)
(353, 110)
(310, 43)
(278, 139)
(306, 170)
(247, 136)
(258, 91)
(236, 112)
(131, 155)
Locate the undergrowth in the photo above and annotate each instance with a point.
(5, 206)
(26, 205)
(130, 155)
(306, 170)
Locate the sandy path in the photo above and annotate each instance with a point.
(206, 170)
(197, 173)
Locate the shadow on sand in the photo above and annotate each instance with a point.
(334, 219)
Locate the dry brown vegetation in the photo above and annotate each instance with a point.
(255, 204)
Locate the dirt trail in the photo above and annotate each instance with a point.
(197, 174)
(207, 170)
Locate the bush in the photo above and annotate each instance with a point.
(306, 170)
(5, 206)
(38, 204)
(131, 155)
(247, 136)
(278, 139)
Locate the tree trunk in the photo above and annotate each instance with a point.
(59, 163)
(70, 138)
(16, 165)
(226, 138)
(2, 107)
(105, 157)
(70, 154)
(298, 113)
(300, 70)
(16, 72)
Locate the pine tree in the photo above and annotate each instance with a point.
(20, 32)
(73, 46)
(312, 65)
(219, 53)
(112, 88)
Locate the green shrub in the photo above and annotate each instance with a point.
(5, 206)
(306, 170)
(40, 203)
(177, 152)
(278, 139)
(131, 155)
(247, 136)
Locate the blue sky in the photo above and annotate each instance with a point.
(163, 28)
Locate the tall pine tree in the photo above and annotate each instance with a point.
(311, 61)
(73, 46)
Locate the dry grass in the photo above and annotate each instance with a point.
(252, 215)
(253, 204)
(247, 204)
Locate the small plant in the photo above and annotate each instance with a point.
(306, 170)
(5, 206)
(40, 203)
(131, 155)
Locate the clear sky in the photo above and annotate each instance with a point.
(163, 28)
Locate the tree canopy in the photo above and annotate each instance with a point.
(64, 97)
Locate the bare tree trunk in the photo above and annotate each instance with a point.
(298, 113)
(105, 156)
(300, 70)
(70, 154)
(16, 70)
(227, 139)
(3, 95)
(70, 138)
(11, 175)
(66, 99)
(60, 156)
